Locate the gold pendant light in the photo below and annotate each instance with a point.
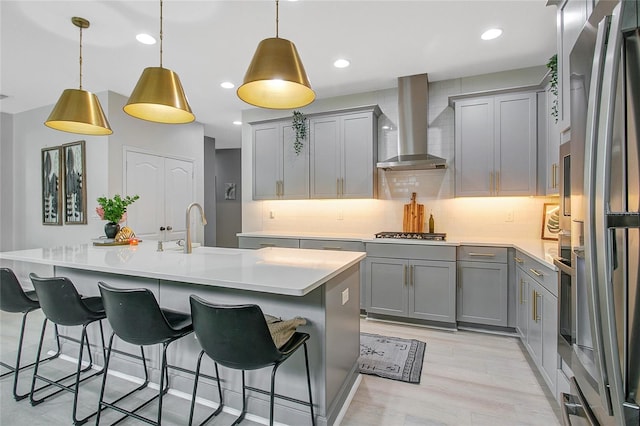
(276, 77)
(159, 96)
(79, 111)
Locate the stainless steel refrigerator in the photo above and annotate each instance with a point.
(605, 231)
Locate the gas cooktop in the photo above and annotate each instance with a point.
(413, 235)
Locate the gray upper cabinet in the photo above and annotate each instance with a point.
(343, 154)
(572, 15)
(496, 141)
(548, 144)
(483, 285)
(278, 172)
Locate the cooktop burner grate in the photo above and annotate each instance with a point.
(413, 236)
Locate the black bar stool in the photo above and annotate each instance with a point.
(14, 299)
(238, 337)
(62, 305)
(136, 318)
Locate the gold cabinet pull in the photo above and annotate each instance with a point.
(331, 248)
(342, 187)
(482, 254)
(536, 273)
(411, 277)
(521, 290)
(497, 182)
(404, 275)
(533, 305)
(338, 187)
(518, 259)
(267, 245)
(554, 175)
(491, 183)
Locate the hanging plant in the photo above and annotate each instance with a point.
(553, 67)
(299, 124)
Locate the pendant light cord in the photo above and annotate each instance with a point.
(161, 35)
(277, 18)
(80, 58)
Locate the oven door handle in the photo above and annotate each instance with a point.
(575, 405)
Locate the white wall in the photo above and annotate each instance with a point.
(104, 167)
(6, 181)
(458, 217)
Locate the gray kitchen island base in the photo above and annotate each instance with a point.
(321, 286)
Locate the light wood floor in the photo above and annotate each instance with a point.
(468, 378)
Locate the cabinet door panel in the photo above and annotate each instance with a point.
(266, 161)
(549, 338)
(386, 286)
(482, 293)
(357, 156)
(325, 158)
(433, 291)
(295, 167)
(515, 144)
(534, 327)
(474, 147)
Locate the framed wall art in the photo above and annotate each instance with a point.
(52, 186)
(550, 221)
(75, 185)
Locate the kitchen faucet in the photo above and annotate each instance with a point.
(187, 245)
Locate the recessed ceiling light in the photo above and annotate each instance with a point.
(146, 39)
(237, 123)
(227, 85)
(492, 33)
(341, 63)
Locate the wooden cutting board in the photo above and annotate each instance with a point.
(413, 218)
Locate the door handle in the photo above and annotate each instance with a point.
(497, 182)
(169, 228)
(521, 288)
(482, 254)
(534, 308)
(162, 228)
(331, 248)
(536, 273)
(491, 183)
(404, 275)
(411, 271)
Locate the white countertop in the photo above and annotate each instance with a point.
(293, 272)
(541, 250)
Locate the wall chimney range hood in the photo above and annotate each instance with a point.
(412, 128)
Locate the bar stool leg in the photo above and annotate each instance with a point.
(16, 370)
(306, 364)
(195, 389)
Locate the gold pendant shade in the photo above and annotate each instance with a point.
(276, 77)
(79, 111)
(159, 97)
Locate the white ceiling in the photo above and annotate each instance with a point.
(208, 42)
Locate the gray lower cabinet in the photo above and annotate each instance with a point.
(538, 315)
(411, 281)
(483, 287)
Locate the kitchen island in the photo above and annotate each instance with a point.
(321, 286)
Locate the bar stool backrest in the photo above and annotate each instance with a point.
(61, 302)
(236, 336)
(12, 296)
(135, 316)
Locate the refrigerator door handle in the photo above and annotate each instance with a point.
(591, 243)
(602, 235)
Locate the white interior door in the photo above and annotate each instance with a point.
(145, 177)
(165, 186)
(178, 184)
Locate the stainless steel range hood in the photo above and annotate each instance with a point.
(412, 128)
